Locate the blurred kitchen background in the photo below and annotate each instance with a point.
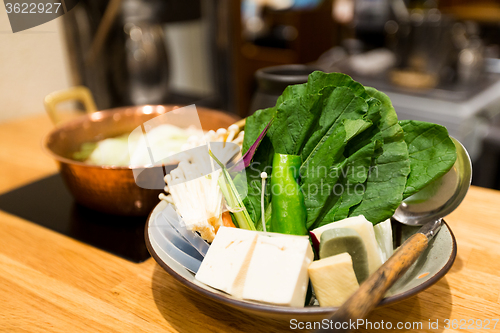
(438, 60)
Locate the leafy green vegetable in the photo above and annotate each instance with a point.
(355, 155)
(341, 140)
(262, 161)
(254, 125)
(293, 123)
(432, 153)
(317, 81)
(339, 103)
(352, 182)
(324, 165)
(361, 153)
(387, 177)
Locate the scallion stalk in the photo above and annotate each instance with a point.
(233, 200)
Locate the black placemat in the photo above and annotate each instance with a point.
(48, 203)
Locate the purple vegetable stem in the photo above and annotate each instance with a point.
(247, 158)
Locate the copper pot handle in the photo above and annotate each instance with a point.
(79, 93)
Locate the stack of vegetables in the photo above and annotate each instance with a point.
(330, 160)
(196, 196)
(335, 149)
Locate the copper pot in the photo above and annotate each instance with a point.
(108, 189)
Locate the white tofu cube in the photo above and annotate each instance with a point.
(277, 273)
(226, 262)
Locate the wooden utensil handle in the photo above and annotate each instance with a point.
(371, 292)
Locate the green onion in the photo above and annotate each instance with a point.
(233, 200)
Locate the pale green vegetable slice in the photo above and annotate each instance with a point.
(233, 199)
(383, 235)
(339, 240)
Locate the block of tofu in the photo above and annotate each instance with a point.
(333, 279)
(226, 262)
(278, 270)
(365, 230)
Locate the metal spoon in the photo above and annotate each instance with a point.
(446, 196)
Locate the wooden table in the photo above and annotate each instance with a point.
(51, 283)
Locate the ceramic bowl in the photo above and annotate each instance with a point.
(433, 264)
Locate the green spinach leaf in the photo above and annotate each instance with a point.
(254, 125)
(432, 153)
(387, 177)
